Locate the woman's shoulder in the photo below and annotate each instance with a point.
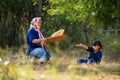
(31, 31)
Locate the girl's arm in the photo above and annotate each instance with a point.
(83, 46)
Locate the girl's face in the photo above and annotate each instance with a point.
(96, 48)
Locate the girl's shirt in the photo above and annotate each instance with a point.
(96, 56)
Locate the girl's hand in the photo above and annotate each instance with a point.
(79, 44)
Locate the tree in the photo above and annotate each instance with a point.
(15, 18)
(87, 13)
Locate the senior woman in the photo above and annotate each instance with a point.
(35, 41)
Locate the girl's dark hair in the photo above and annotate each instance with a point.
(97, 42)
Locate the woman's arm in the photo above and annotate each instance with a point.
(36, 41)
(83, 46)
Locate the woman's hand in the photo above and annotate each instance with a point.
(44, 39)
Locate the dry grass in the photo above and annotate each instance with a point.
(63, 67)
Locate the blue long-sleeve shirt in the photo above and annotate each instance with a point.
(31, 35)
(95, 56)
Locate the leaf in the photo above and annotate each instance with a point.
(35, 3)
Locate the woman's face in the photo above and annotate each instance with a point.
(39, 24)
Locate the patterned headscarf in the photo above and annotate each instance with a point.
(34, 22)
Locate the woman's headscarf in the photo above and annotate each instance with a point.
(34, 22)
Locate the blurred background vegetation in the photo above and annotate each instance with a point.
(83, 21)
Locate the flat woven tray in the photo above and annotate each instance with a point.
(56, 38)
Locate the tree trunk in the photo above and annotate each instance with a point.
(37, 9)
(84, 33)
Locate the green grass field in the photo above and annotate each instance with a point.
(62, 66)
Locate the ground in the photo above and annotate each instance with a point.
(61, 67)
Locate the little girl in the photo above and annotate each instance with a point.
(95, 53)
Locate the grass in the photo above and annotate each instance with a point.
(62, 66)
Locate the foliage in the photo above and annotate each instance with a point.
(86, 10)
(14, 18)
(76, 17)
(2, 53)
(8, 71)
(81, 17)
